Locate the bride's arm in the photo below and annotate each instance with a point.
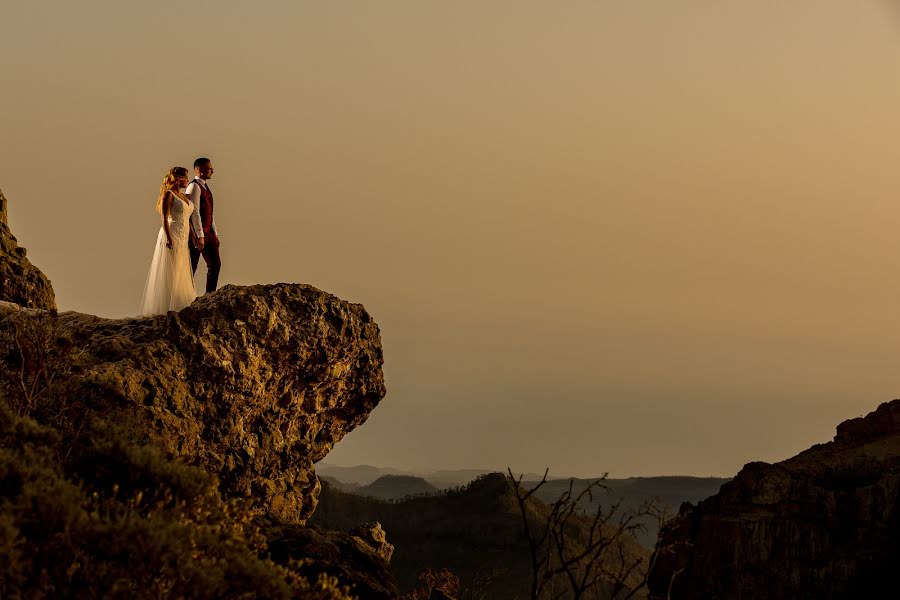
(167, 204)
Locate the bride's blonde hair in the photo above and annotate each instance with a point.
(169, 183)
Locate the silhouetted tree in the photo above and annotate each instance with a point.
(603, 560)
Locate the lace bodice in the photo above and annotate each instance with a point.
(179, 215)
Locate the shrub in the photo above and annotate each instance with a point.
(122, 521)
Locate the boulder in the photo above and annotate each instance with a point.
(350, 557)
(254, 384)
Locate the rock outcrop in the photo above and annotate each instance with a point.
(823, 524)
(20, 281)
(359, 558)
(254, 384)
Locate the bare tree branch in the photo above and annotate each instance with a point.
(588, 552)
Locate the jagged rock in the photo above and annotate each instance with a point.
(824, 524)
(20, 282)
(374, 537)
(347, 556)
(253, 383)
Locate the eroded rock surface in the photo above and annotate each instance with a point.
(20, 281)
(823, 524)
(253, 383)
(359, 558)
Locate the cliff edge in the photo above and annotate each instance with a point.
(149, 456)
(823, 524)
(254, 384)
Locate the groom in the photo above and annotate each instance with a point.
(204, 238)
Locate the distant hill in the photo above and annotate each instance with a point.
(389, 487)
(441, 479)
(351, 488)
(360, 475)
(632, 491)
(473, 531)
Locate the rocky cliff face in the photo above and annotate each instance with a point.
(254, 384)
(823, 524)
(20, 282)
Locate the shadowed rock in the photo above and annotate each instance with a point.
(20, 281)
(358, 558)
(823, 524)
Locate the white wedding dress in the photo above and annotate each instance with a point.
(170, 283)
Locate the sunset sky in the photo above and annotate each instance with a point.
(642, 237)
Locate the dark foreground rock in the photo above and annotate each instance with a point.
(20, 281)
(824, 524)
(359, 558)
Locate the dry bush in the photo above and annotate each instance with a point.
(576, 555)
(122, 521)
(40, 359)
(429, 580)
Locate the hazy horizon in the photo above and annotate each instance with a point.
(642, 238)
(528, 474)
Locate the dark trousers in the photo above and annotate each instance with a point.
(213, 262)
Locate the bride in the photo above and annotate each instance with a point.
(170, 284)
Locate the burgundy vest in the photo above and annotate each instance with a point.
(206, 208)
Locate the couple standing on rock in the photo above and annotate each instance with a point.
(188, 230)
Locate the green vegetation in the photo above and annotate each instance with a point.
(118, 520)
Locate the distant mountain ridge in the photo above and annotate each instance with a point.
(442, 478)
(475, 531)
(397, 486)
(671, 490)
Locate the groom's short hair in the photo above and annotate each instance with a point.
(200, 162)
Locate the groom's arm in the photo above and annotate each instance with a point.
(193, 194)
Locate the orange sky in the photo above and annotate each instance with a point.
(641, 237)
